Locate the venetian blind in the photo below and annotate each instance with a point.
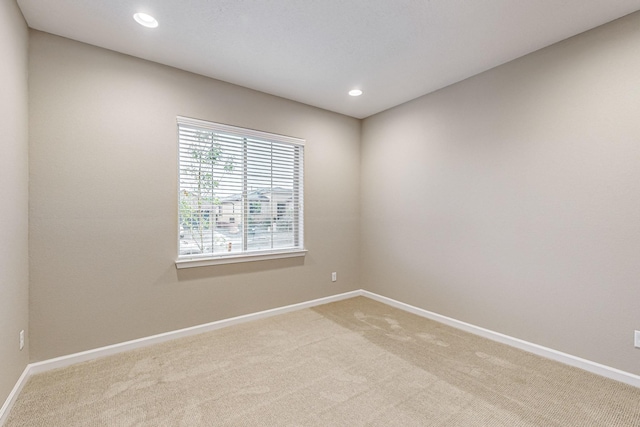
(241, 191)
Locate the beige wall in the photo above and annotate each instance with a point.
(520, 196)
(14, 182)
(103, 223)
(510, 200)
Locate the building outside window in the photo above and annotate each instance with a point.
(241, 192)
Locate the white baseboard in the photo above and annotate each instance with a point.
(63, 361)
(15, 392)
(567, 359)
(72, 359)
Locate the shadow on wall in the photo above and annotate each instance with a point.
(198, 273)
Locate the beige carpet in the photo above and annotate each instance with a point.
(351, 363)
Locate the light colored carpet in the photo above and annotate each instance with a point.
(352, 363)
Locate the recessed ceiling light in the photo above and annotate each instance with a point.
(145, 20)
(355, 92)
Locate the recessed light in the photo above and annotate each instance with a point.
(355, 92)
(145, 20)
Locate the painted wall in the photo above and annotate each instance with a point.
(512, 199)
(103, 225)
(14, 189)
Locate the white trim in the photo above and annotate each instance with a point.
(243, 257)
(63, 361)
(13, 396)
(549, 353)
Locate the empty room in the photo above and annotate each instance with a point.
(320, 213)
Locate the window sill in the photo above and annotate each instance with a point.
(231, 259)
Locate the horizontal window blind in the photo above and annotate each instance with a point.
(240, 190)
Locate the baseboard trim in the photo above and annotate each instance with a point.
(72, 359)
(15, 392)
(549, 353)
(84, 356)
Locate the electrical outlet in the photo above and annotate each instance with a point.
(637, 339)
(21, 339)
(334, 276)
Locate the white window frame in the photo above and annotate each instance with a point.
(207, 259)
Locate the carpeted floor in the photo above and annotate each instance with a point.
(351, 363)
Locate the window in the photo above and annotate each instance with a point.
(240, 194)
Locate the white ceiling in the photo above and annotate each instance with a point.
(314, 51)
